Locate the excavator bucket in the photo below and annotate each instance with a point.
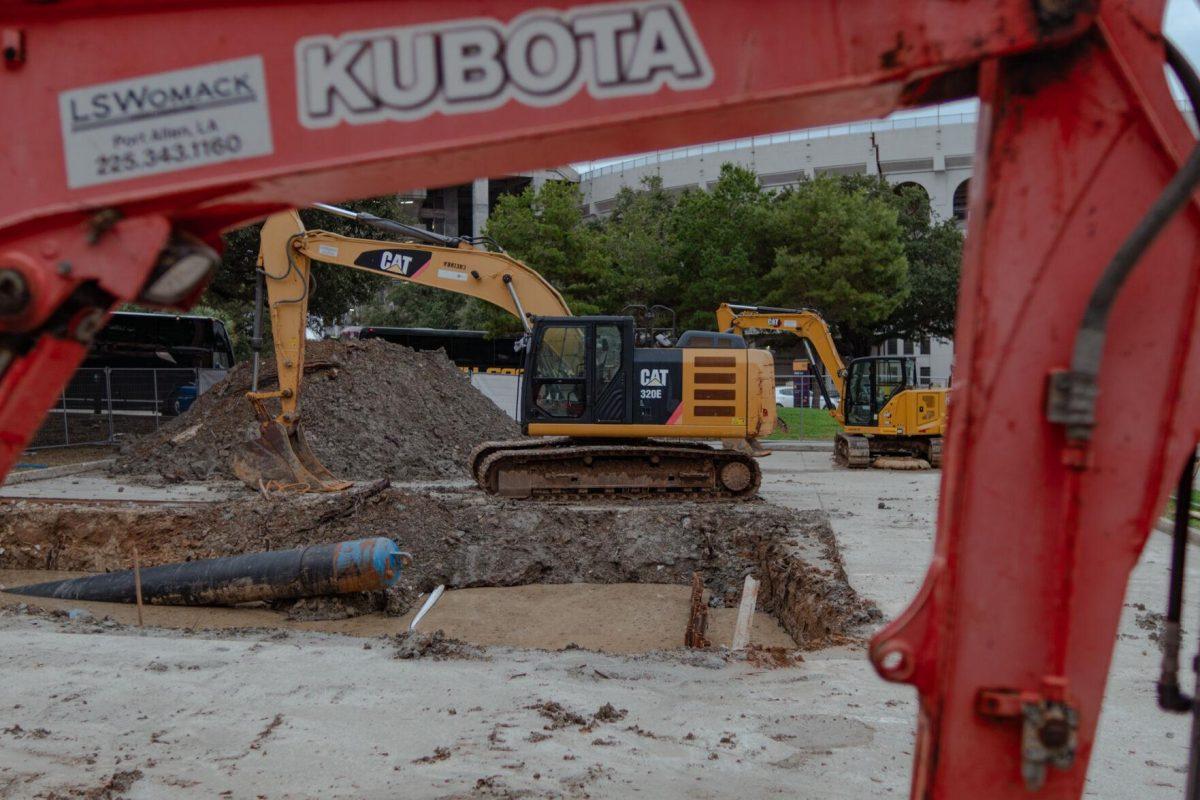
(279, 461)
(750, 447)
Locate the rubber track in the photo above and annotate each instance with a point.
(533, 456)
(485, 449)
(853, 451)
(935, 452)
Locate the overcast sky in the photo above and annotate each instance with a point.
(1181, 23)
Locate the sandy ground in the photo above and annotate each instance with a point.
(613, 618)
(1140, 751)
(278, 714)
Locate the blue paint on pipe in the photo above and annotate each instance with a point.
(376, 560)
(362, 565)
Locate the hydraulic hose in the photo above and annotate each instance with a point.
(256, 337)
(391, 226)
(1078, 396)
(1170, 697)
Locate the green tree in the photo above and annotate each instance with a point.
(230, 295)
(409, 305)
(545, 229)
(934, 249)
(838, 248)
(637, 241)
(720, 246)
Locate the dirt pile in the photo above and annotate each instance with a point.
(435, 645)
(465, 540)
(370, 409)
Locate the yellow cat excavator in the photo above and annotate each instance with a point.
(882, 410)
(599, 405)
(281, 457)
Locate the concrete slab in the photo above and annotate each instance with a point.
(500, 389)
(800, 445)
(93, 486)
(58, 471)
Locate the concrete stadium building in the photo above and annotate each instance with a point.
(934, 152)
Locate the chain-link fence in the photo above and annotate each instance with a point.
(102, 405)
(802, 391)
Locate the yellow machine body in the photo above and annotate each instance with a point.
(881, 406)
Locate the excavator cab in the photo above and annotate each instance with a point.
(593, 405)
(871, 382)
(578, 370)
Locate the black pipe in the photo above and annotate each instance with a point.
(1193, 782)
(342, 568)
(1170, 698)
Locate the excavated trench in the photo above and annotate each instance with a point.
(609, 576)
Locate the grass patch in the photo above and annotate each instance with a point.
(1170, 509)
(805, 423)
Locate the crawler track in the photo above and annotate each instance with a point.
(566, 468)
(934, 452)
(859, 452)
(852, 450)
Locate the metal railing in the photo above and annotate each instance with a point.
(807, 134)
(102, 405)
(804, 135)
(803, 391)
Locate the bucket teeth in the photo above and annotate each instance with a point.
(277, 460)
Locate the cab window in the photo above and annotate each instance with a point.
(608, 354)
(561, 399)
(563, 353)
(889, 379)
(560, 383)
(858, 400)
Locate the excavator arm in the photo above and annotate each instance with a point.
(142, 128)
(805, 323)
(495, 278)
(906, 423)
(281, 457)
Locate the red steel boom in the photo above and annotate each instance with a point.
(141, 126)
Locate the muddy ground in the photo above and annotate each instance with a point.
(370, 409)
(463, 539)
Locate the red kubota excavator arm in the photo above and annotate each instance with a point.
(132, 126)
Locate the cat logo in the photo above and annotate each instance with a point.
(394, 262)
(654, 377)
(773, 322)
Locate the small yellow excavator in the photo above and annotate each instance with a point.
(882, 410)
(599, 406)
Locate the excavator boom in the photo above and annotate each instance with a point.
(881, 410)
(1008, 642)
(805, 323)
(281, 457)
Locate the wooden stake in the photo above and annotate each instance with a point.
(741, 631)
(697, 625)
(137, 585)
